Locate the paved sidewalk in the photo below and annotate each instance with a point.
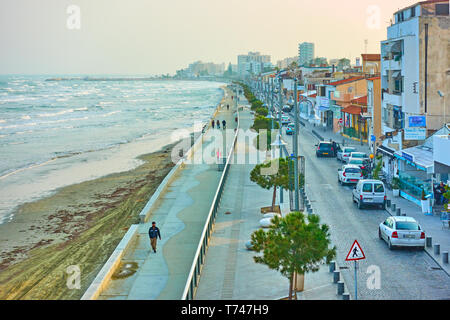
(180, 214)
(432, 225)
(229, 271)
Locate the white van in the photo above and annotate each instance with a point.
(369, 192)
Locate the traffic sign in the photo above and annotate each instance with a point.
(355, 253)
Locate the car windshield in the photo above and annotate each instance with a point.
(379, 187)
(349, 150)
(353, 170)
(324, 146)
(406, 225)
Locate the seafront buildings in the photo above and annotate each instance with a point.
(305, 53)
(253, 62)
(394, 101)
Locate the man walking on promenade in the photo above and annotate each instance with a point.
(153, 233)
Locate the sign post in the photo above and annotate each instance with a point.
(356, 253)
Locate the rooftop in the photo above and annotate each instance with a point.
(335, 83)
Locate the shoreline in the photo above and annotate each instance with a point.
(80, 224)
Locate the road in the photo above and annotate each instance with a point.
(404, 273)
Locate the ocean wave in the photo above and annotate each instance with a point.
(25, 118)
(56, 113)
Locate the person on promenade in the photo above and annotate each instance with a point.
(213, 123)
(228, 107)
(154, 233)
(218, 124)
(224, 124)
(440, 190)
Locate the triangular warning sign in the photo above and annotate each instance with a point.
(355, 253)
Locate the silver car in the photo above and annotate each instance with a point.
(369, 192)
(402, 231)
(344, 153)
(357, 155)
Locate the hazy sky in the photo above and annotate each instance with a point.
(161, 36)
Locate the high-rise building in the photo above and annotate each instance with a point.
(253, 62)
(305, 52)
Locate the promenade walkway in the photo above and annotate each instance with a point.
(229, 271)
(180, 213)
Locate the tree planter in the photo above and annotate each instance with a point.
(396, 192)
(299, 282)
(425, 206)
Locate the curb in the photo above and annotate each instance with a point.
(427, 251)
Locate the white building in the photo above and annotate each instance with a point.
(414, 54)
(253, 62)
(305, 52)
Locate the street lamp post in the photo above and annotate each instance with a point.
(296, 196)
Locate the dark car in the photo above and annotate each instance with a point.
(325, 149)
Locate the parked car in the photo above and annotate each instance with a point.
(344, 153)
(402, 231)
(324, 149)
(285, 120)
(286, 108)
(289, 130)
(349, 173)
(358, 155)
(364, 164)
(369, 192)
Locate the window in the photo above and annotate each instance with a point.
(407, 225)
(379, 187)
(442, 9)
(413, 12)
(353, 170)
(367, 187)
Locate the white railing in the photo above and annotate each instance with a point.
(199, 258)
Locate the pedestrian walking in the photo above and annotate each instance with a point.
(228, 107)
(218, 124)
(235, 119)
(213, 123)
(154, 233)
(224, 124)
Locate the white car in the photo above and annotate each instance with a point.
(349, 173)
(285, 120)
(402, 231)
(357, 155)
(344, 154)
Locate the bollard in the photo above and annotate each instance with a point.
(388, 203)
(398, 212)
(346, 296)
(429, 241)
(332, 266)
(340, 287)
(393, 206)
(336, 276)
(445, 256)
(437, 248)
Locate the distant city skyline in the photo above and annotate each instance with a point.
(149, 37)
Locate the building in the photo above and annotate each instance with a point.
(415, 61)
(286, 62)
(374, 112)
(253, 62)
(305, 53)
(371, 63)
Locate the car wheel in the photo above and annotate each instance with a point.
(379, 234)
(390, 246)
(359, 205)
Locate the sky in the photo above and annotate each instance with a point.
(151, 37)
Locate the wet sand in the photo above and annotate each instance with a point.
(79, 225)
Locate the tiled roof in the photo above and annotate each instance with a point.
(360, 100)
(335, 83)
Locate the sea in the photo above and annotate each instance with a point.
(58, 133)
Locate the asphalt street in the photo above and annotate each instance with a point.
(404, 273)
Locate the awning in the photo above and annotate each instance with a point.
(386, 150)
(419, 157)
(396, 74)
(323, 109)
(352, 109)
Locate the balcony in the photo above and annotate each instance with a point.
(390, 65)
(394, 98)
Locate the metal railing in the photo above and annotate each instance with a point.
(199, 258)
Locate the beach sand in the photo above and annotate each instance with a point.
(79, 225)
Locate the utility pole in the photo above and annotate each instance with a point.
(280, 108)
(296, 198)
